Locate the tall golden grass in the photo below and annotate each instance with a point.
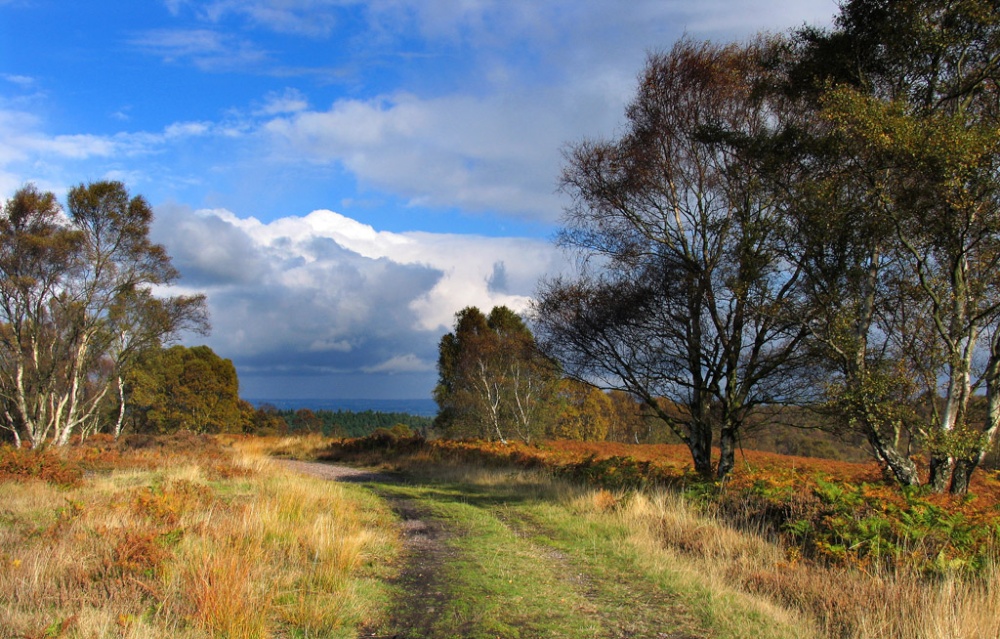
(178, 547)
(842, 602)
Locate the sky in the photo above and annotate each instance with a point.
(339, 177)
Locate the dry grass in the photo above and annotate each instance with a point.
(842, 602)
(176, 547)
(765, 577)
(305, 447)
(850, 600)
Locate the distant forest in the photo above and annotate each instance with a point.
(343, 423)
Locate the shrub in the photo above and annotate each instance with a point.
(18, 464)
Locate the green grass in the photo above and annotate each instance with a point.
(528, 556)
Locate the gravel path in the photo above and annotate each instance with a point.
(334, 472)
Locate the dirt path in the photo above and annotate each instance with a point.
(424, 551)
(500, 556)
(334, 472)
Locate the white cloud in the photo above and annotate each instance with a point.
(315, 18)
(21, 140)
(186, 129)
(513, 84)
(22, 81)
(546, 74)
(325, 293)
(29, 153)
(290, 101)
(122, 114)
(456, 106)
(498, 153)
(174, 6)
(408, 363)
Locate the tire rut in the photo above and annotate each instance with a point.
(425, 591)
(635, 612)
(425, 550)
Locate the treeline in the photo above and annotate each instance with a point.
(497, 384)
(343, 423)
(193, 389)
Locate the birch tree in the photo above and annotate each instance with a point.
(907, 95)
(686, 296)
(76, 295)
(493, 381)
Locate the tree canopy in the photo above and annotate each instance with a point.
(77, 307)
(898, 226)
(494, 383)
(183, 388)
(809, 219)
(685, 295)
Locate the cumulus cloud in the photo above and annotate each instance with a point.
(325, 295)
(455, 107)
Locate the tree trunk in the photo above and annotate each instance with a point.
(941, 471)
(901, 467)
(120, 421)
(12, 427)
(727, 446)
(961, 476)
(700, 444)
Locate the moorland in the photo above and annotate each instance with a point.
(199, 536)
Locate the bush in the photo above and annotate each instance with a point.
(614, 473)
(44, 465)
(390, 441)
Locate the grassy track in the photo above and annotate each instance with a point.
(202, 539)
(516, 555)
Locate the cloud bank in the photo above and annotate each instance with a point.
(443, 118)
(326, 303)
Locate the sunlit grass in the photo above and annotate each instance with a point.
(197, 543)
(182, 548)
(734, 577)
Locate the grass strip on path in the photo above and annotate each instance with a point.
(520, 555)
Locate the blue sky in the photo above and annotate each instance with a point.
(338, 176)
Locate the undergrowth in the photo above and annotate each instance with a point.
(183, 537)
(829, 513)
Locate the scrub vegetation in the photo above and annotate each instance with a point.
(183, 537)
(193, 536)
